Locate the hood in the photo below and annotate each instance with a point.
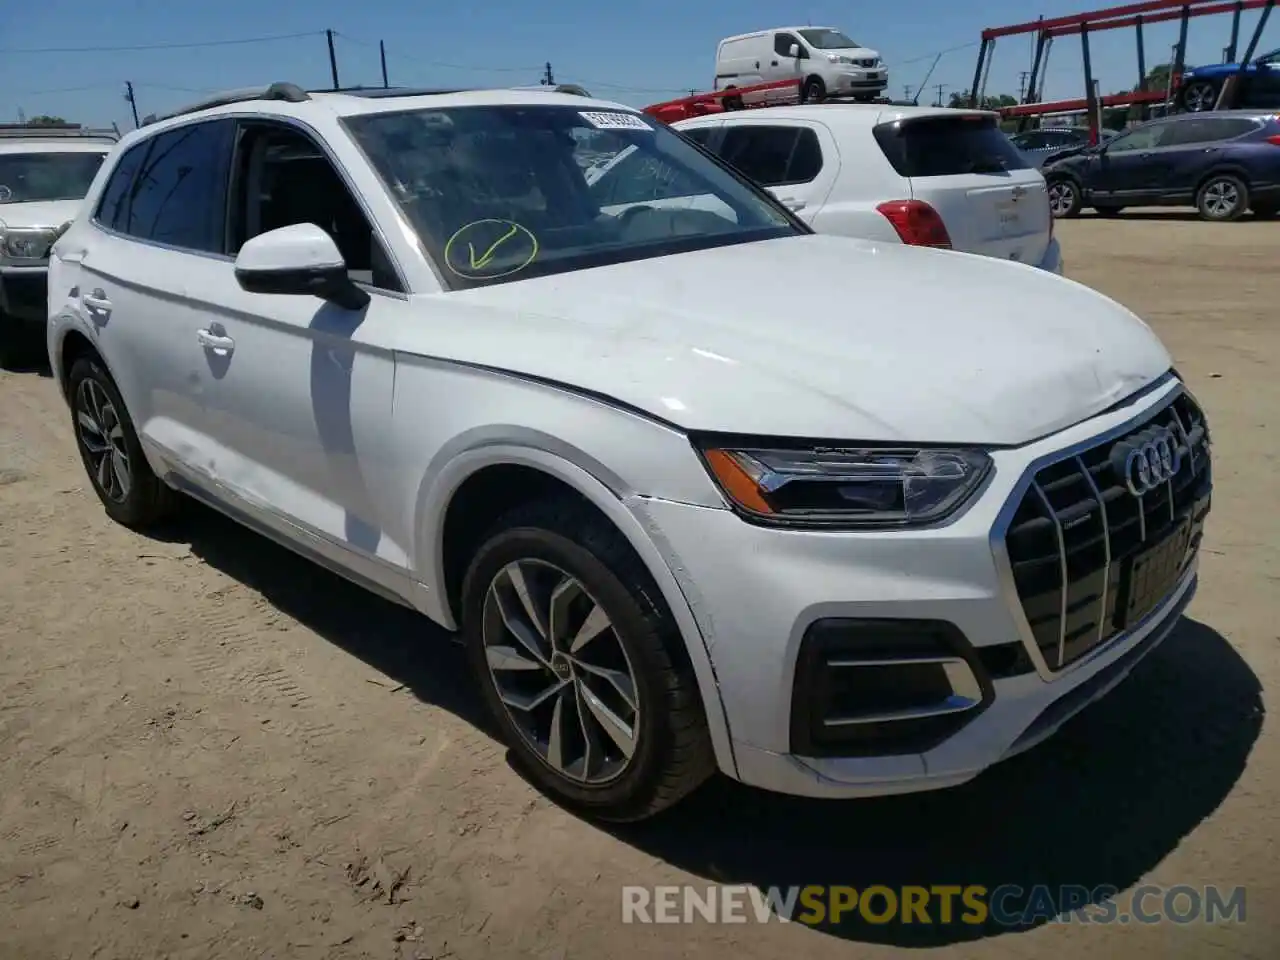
(856, 53)
(39, 213)
(815, 336)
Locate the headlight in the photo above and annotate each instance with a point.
(832, 58)
(28, 244)
(849, 487)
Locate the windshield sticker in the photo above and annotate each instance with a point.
(488, 249)
(613, 120)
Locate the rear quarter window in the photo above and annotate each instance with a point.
(947, 146)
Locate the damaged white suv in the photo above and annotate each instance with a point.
(688, 508)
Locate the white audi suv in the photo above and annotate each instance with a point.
(686, 508)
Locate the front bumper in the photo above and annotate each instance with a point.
(24, 293)
(756, 592)
(860, 81)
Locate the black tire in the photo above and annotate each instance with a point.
(672, 752)
(1108, 211)
(1064, 197)
(1198, 96)
(815, 91)
(1222, 197)
(145, 499)
(1266, 211)
(732, 103)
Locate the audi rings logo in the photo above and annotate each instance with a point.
(1147, 460)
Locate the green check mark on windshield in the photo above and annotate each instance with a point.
(488, 254)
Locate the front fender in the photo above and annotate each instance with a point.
(482, 448)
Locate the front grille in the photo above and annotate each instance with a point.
(867, 63)
(1088, 557)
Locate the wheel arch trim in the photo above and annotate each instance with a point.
(488, 447)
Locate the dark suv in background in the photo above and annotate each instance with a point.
(1222, 163)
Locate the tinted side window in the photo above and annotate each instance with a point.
(179, 196)
(1144, 138)
(113, 208)
(699, 135)
(1031, 141)
(773, 156)
(1209, 130)
(782, 44)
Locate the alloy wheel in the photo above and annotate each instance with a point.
(561, 671)
(1061, 198)
(1221, 197)
(101, 435)
(1199, 97)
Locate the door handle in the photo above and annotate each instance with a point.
(773, 63)
(97, 301)
(220, 345)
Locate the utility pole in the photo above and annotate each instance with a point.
(333, 59)
(940, 87)
(1022, 84)
(548, 79)
(128, 95)
(382, 51)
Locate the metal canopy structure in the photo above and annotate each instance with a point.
(1134, 15)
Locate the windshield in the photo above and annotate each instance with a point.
(501, 193)
(829, 40)
(25, 177)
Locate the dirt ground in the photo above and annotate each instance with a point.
(209, 748)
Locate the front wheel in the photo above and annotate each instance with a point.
(1222, 198)
(814, 91)
(131, 494)
(582, 666)
(1064, 198)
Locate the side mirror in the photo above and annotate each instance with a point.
(794, 51)
(299, 260)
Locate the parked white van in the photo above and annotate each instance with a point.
(826, 61)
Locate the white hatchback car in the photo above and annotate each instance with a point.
(926, 176)
(688, 509)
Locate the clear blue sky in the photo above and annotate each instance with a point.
(632, 52)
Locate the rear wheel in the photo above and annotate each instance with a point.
(732, 103)
(581, 664)
(1064, 197)
(1222, 197)
(131, 494)
(1199, 95)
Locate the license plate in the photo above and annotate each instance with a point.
(1149, 576)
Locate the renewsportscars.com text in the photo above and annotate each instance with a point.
(1005, 905)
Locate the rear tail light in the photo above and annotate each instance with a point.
(1275, 139)
(917, 223)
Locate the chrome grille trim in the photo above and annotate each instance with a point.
(1106, 543)
(1029, 488)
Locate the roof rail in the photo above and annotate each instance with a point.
(288, 92)
(62, 131)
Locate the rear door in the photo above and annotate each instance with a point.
(797, 161)
(1194, 146)
(990, 196)
(153, 263)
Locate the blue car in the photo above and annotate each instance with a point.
(1200, 86)
(1222, 163)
